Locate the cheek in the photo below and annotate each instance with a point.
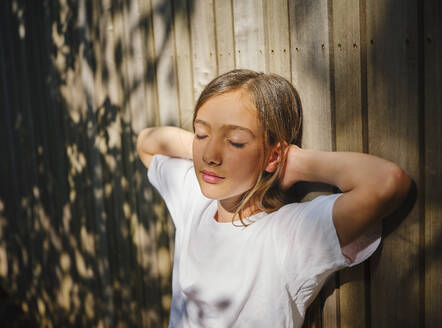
(195, 151)
(246, 166)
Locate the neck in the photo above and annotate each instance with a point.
(227, 207)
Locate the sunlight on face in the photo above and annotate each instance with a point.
(228, 146)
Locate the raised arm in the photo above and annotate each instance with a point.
(373, 187)
(166, 140)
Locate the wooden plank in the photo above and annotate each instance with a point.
(310, 52)
(202, 27)
(166, 77)
(45, 222)
(136, 65)
(248, 22)
(349, 136)
(65, 118)
(225, 42)
(148, 115)
(152, 310)
(392, 93)
(169, 115)
(347, 65)
(9, 190)
(132, 45)
(57, 141)
(433, 162)
(16, 27)
(276, 15)
(108, 137)
(87, 103)
(310, 70)
(181, 27)
(132, 169)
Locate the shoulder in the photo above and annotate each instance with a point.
(170, 166)
(159, 159)
(318, 208)
(171, 174)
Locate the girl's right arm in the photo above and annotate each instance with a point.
(166, 140)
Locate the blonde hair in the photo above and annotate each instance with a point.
(280, 113)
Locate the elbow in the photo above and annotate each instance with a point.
(397, 184)
(141, 140)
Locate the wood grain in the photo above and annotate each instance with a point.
(248, 22)
(165, 73)
(277, 37)
(204, 58)
(225, 42)
(349, 135)
(310, 57)
(392, 93)
(433, 162)
(184, 65)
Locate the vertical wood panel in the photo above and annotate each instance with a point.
(225, 42)
(166, 75)
(202, 26)
(181, 26)
(152, 311)
(310, 69)
(23, 125)
(66, 84)
(309, 31)
(393, 134)
(248, 21)
(277, 36)
(52, 47)
(129, 223)
(347, 65)
(149, 113)
(10, 186)
(86, 98)
(45, 223)
(348, 105)
(136, 65)
(165, 62)
(433, 162)
(112, 122)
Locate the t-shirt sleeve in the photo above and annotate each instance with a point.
(310, 246)
(174, 178)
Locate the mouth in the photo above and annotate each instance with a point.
(211, 177)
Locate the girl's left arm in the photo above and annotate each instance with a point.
(373, 187)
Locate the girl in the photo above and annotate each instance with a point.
(244, 255)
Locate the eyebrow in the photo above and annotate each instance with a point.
(227, 126)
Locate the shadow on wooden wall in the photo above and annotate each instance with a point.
(84, 239)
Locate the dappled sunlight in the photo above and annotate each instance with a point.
(3, 246)
(79, 246)
(18, 10)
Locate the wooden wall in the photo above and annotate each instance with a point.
(86, 241)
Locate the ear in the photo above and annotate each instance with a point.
(275, 157)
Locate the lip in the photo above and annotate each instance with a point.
(211, 177)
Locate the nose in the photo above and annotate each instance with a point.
(212, 153)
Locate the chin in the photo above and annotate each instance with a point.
(211, 194)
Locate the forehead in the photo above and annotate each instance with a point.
(233, 108)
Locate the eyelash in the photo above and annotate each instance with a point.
(234, 144)
(237, 145)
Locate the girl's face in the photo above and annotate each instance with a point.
(228, 146)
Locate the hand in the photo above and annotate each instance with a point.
(288, 175)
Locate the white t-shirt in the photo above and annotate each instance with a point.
(263, 275)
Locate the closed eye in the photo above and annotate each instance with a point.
(236, 144)
(200, 136)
